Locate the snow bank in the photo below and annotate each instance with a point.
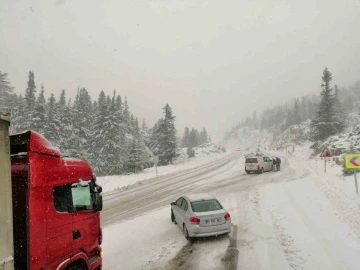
(204, 154)
(142, 241)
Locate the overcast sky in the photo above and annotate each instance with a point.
(213, 61)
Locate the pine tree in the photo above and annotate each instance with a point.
(26, 111)
(30, 92)
(82, 118)
(339, 113)
(325, 124)
(255, 121)
(203, 136)
(296, 113)
(5, 90)
(126, 112)
(193, 138)
(163, 139)
(52, 127)
(98, 142)
(38, 117)
(62, 101)
(185, 139)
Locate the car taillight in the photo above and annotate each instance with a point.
(194, 220)
(227, 216)
(100, 236)
(258, 166)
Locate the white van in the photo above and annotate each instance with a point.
(258, 164)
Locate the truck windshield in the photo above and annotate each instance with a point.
(81, 197)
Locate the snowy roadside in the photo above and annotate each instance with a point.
(309, 221)
(116, 182)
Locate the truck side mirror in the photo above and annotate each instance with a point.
(172, 203)
(98, 202)
(98, 189)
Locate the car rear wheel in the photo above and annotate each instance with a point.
(173, 217)
(247, 172)
(186, 233)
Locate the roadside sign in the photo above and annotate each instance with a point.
(156, 160)
(352, 161)
(325, 153)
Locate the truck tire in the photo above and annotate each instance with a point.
(247, 172)
(77, 266)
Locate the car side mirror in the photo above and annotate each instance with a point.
(172, 203)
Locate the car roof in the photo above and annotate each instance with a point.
(199, 197)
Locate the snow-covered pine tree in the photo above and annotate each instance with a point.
(26, 120)
(82, 118)
(5, 90)
(255, 121)
(193, 138)
(39, 113)
(325, 124)
(296, 113)
(339, 112)
(126, 112)
(52, 124)
(185, 139)
(116, 133)
(204, 135)
(163, 139)
(69, 140)
(99, 140)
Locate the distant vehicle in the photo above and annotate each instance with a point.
(200, 215)
(258, 164)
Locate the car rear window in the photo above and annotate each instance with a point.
(205, 206)
(251, 160)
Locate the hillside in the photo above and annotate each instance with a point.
(286, 125)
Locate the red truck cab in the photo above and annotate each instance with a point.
(56, 207)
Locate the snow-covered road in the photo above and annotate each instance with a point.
(281, 220)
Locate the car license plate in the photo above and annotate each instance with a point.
(214, 220)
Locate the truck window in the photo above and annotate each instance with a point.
(72, 198)
(62, 198)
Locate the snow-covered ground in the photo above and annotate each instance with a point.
(298, 218)
(204, 154)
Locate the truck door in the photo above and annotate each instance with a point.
(86, 223)
(59, 222)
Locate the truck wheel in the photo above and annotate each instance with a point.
(77, 266)
(262, 170)
(247, 172)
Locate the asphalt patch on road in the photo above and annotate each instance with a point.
(230, 260)
(183, 259)
(186, 257)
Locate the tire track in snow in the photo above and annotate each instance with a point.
(346, 210)
(292, 254)
(317, 234)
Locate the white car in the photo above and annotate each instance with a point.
(200, 215)
(258, 164)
